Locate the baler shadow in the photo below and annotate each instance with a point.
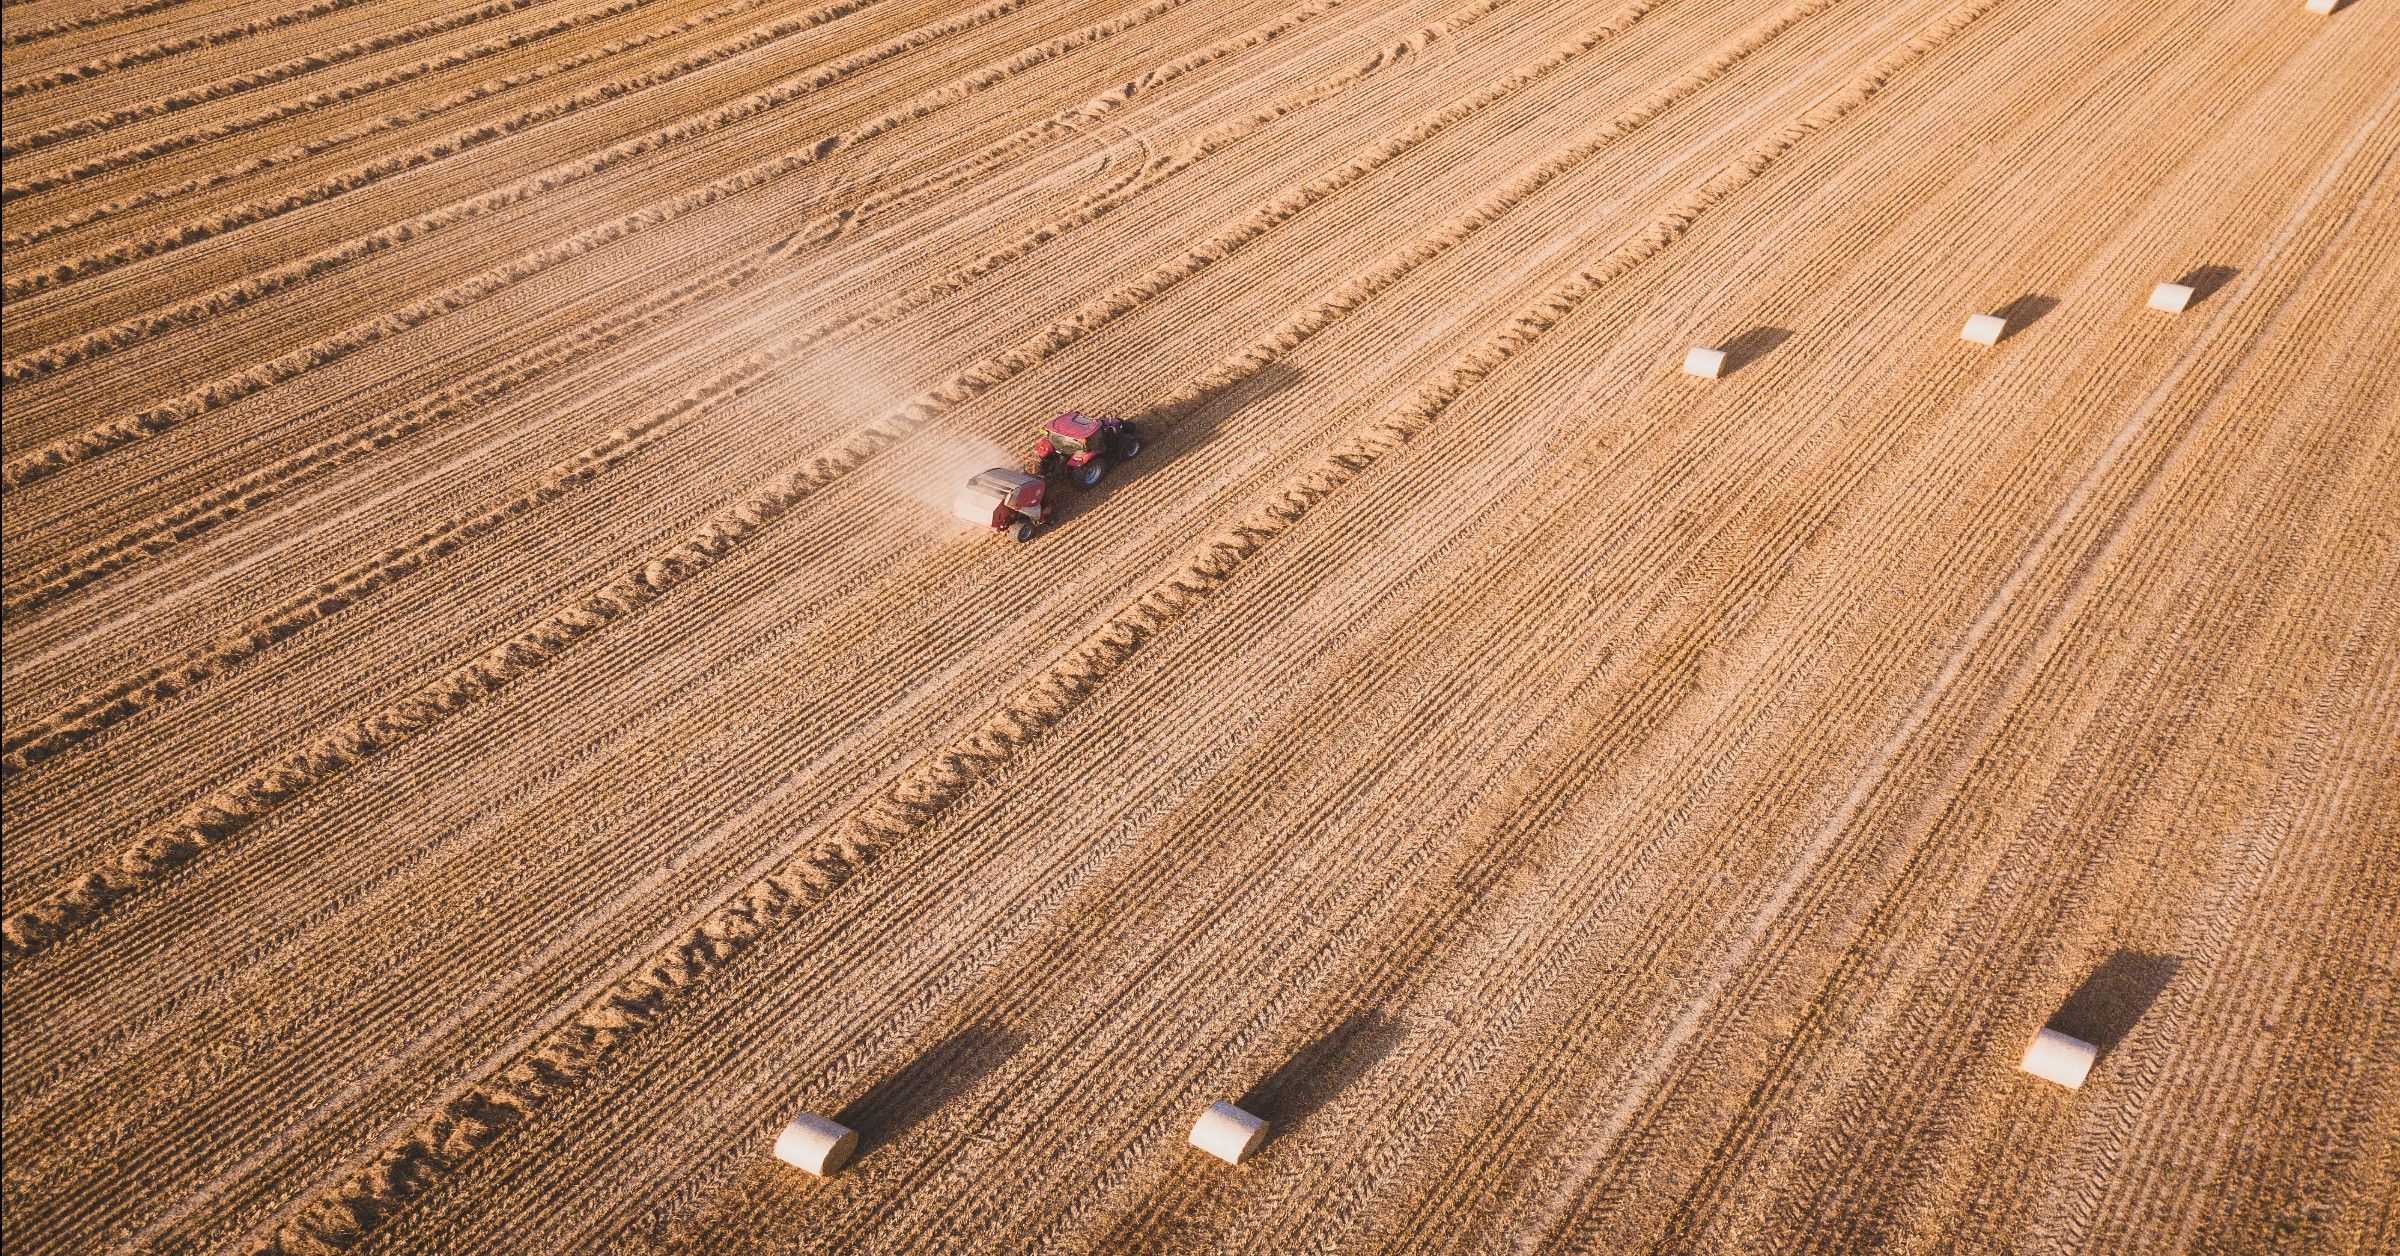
(1169, 432)
(2112, 1000)
(893, 1106)
(1320, 1071)
(1209, 408)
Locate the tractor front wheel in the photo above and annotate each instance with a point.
(1129, 446)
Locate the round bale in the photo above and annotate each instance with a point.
(815, 1144)
(1228, 1133)
(2061, 1058)
(1983, 329)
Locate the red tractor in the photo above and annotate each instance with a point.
(1004, 501)
(1083, 446)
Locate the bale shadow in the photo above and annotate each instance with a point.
(1752, 345)
(2204, 281)
(2107, 1005)
(2024, 312)
(1320, 1071)
(896, 1104)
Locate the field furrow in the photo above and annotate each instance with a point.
(501, 714)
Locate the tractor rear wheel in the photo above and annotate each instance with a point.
(1089, 473)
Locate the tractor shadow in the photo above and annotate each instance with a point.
(2204, 281)
(1170, 431)
(1321, 1071)
(895, 1105)
(1190, 421)
(2113, 999)
(2024, 312)
(1752, 345)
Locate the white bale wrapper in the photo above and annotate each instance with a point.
(2062, 1058)
(1228, 1133)
(815, 1144)
(2170, 297)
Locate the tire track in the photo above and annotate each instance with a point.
(68, 451)
(2017, 897)
(107, 705)
(1083, 863)
(167, 145)
(37, 83)
(1518, 1116)
(1575, 911)
(1672, 674)
(1283, 875)
(256, 489)
(219, 817)
(367, 174)
(1644, 1089)
(260, 1037)
(1737, 569)
(2332, 776)
(561, 1061)
(107, 556)
(111, 704)
(2252, 856)
(86, 21)
(47, 361)
(2242, 611)
(1757, 1131)
(712, 608)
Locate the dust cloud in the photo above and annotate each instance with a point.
(928, 466)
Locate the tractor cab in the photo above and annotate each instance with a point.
(1082, 446)
(1071, 432)
(1004, 501)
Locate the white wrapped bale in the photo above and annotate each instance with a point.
(2323, 6)
(1983, 329)
(2170, 297)
(2061, 1058)
(1228, 1133)
(1704, 362)
(815, 1144)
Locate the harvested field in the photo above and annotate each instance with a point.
(499, 719)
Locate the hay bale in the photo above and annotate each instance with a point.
(2323, 6)
(1228, 1133)
(2061, 1058)
(1704, 362)
(2170, 297)
(815, 1144)
(1983, 329)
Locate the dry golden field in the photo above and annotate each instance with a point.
(499, 720)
